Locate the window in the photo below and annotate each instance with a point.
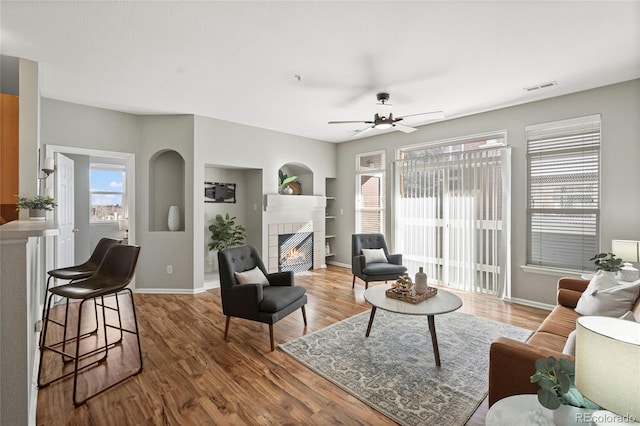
(563, 194)
(370, 187)
(452, 212)
(108, 201)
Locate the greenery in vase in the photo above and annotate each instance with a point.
(225, 233)
(607, 262)
(38, 202)
(557, 384)
(284, 179)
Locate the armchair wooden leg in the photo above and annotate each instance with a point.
(271, 337)
(304, 315)
(353, 284)
(366, 285)
(226, 327)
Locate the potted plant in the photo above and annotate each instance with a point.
(225, 233)
(284, 181)
(558, 390)
(38, 205)
(607, 262)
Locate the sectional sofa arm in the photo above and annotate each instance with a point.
(511, 365)
(570, 290)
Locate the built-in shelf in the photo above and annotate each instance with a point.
(330, 198)
(330, 222)
(330, 254)
(329, 217)
(329, 236)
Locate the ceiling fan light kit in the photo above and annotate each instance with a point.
(382, 122)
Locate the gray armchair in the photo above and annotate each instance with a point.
(377, 271)
(257, 302)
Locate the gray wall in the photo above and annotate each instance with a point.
(620, 171)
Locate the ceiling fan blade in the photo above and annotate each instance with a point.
(347, 122)
(403, 128)
(360, 132)
(433, 115)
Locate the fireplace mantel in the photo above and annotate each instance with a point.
(275, 202)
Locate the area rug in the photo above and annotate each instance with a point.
(393, 370)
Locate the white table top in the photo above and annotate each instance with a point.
(519, 410)
(441, 303)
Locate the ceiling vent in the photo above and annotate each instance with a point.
(541, 86)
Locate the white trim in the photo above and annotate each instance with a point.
(170, 290)
(342, 265)
(451, 141)
(531, 303)
(555, 272)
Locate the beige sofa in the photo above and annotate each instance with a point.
(511, 363)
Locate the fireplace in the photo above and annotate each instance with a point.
(295, 252)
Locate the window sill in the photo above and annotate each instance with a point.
(545, 270)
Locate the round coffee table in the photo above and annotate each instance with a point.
(441, 303)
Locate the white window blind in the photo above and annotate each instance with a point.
(451, 213)
(563, 164)
(370, 190)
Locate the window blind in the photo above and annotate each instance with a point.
(563, 193)
(370, 191)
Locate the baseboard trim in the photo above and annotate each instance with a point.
(171, 290)
(342, 265)
(531, 303)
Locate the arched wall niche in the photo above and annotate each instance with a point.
(304, 176)
(166, 188)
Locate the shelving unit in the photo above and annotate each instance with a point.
(330, 218)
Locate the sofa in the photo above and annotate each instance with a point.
(512, 363)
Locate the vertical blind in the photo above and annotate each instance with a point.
(452, 217)
(563, 162)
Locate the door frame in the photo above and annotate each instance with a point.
(129, 160)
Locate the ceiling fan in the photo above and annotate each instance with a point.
(382, 122)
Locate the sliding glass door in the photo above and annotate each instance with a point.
(452, 214)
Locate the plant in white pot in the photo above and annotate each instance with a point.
(558, 391)
(38, 205)
(607, 262)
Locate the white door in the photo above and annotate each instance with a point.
(64, 212)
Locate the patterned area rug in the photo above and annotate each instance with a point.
(394, 371)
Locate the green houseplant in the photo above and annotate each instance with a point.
(225, 233)
(284, 180)
(37, 205)
(607, 262)
(557, 384)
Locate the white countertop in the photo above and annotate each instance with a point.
(28, 228)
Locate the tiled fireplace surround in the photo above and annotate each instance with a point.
(288, 214)
(276, 229)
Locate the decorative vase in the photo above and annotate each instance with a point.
(421, 282)
(327, 249)
(568, 415)
(174, 218)
(37, 214)
(287, 190)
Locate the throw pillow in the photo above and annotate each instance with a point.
(604, 296)
(375, 256)
(570, 346)
(253, 276)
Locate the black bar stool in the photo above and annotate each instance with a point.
(78, 272)
(111, 279)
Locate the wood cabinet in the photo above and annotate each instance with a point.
(8, 156)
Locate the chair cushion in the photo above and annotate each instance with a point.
(252, 276)
(383, 269)
(375, 256)
(276, 298)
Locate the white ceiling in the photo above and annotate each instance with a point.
(236, 61)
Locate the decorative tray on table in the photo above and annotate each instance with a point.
(411, 296)
(403, 289)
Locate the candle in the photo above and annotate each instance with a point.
(48, 164)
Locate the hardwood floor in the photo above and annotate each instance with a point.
(192, 376)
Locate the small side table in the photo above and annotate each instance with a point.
(518, 410)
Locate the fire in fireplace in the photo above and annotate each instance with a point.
(295, 252)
